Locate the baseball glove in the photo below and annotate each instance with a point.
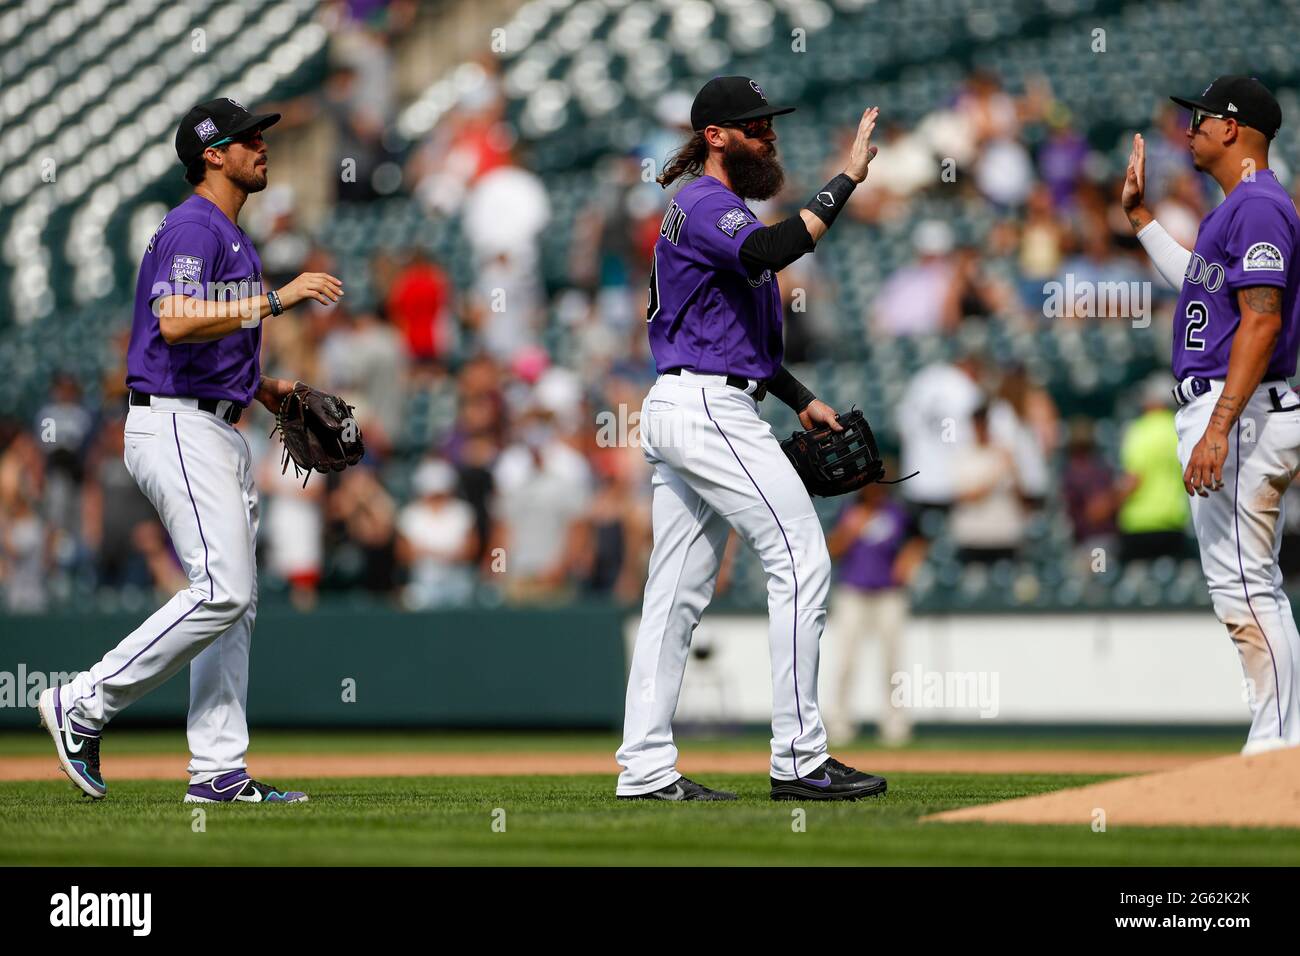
(835, 463)
(318, 432)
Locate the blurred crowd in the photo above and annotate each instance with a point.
(488, 474)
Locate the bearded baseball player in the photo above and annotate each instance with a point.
(192, 369)
(714, 322)
(1236, 334)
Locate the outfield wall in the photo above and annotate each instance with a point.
(1152, 668)
(566, 668)
(498, 668)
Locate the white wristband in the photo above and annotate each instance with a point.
(1169, 258)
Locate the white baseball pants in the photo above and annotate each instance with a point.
(718, 466)
(196, 470)
(1239, 529)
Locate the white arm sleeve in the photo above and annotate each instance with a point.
(1169, 258)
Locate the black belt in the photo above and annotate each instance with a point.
(735, 381)
(209, 405)
(1194, 386)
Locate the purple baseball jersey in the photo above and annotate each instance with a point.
(195, 251)
(705, 313)
(1249, 240)
(868, 564)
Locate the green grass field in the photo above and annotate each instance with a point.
(575, 819)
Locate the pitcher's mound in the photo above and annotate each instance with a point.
(1262, 790)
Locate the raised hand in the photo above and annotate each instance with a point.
(1135, 177)
(862, 153)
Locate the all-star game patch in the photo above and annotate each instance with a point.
(1263, 257)
(733, 221)
(206, 130)
(187, 269)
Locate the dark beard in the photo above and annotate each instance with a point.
(253, 182)
(752, 176)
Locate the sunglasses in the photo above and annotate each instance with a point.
(252, 136)
(1199, 116)
(751, 128)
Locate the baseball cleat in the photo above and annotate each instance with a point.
(77, 746)
(238, 787)
(680, 790)
(831, 781)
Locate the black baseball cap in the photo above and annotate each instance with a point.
(731, 99)
(1242, 98)
(214, 123)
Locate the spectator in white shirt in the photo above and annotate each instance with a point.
(934, 426)
(988, 518)
(437, 540)
(543, 489)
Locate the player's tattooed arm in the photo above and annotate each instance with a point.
(1263, 298)
(1252, 349)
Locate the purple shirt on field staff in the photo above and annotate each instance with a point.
(195, 251)
(868, 564)
(1250, 239)
(705, 313)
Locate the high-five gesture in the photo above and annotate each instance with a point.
(862, 153)
(1135, 185)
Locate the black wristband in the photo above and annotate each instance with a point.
(273, 297)
(826, 205)
(790, 390)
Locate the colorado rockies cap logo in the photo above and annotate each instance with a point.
(235, 103)
(759, 90)
(206, 130)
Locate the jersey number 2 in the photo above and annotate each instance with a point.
(1198, 317)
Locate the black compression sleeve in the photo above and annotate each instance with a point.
(834, 196)
(775, 247)
(790, 390)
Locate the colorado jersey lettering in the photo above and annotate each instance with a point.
(706, 314)
(1249, 240)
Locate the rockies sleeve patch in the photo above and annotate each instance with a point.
(1263, 257)
(733, 221)
(187, 269)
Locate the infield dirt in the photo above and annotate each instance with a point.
(289, 765)
(1262, 790)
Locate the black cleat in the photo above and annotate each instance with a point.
(832, 781)
(77, 746)
(682, 789)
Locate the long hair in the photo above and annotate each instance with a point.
(687, 161)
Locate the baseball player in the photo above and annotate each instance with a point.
(714, 320)
(192, 368)
(1236, 334)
